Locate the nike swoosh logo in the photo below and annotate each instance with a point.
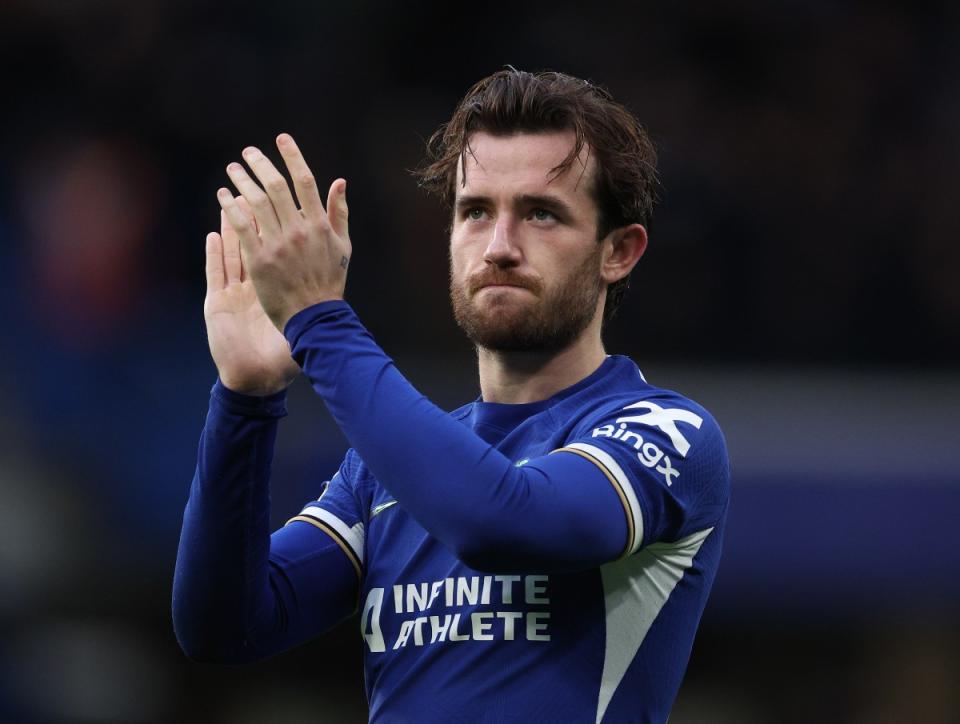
(382, 507)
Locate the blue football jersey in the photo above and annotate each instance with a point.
(445, 642)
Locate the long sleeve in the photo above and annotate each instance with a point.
(555, 512)
(238, 593)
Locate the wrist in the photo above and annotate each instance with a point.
(282, 319)
(259, 389)
(261, 406)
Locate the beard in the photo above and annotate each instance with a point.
(549, 322)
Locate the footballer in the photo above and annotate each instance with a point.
(541, 554)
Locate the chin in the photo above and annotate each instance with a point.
(519, 331)
(516, 321)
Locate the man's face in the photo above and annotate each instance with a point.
(524, 257)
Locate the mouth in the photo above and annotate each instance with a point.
(498, 287)
(501, 283)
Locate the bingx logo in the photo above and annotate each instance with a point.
(648, 452)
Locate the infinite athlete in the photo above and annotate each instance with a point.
(542, 554)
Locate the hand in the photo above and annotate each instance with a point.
(250, 354)
(296, 257)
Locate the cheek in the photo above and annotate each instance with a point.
(458, 262)
(462, 254)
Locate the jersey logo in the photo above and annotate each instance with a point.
(455, 609)
(649, 453)
(377, 509)
(666, 419)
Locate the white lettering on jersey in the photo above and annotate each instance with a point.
(480, 621)
(507, 582)
(534, 590)
(649, 453)
(455, 634)
(438, 630)
(469, 591)
(465, 625)
(537, 621)
(483, 626)
(509, 617)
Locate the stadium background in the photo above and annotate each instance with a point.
(803, 283)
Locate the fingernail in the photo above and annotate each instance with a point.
(251, 152)
(284, 138)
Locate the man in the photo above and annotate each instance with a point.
(543, 554)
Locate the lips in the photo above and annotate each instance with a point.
(500, 284)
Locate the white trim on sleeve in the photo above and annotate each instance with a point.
(352, 536)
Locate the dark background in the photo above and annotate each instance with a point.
(802, 282)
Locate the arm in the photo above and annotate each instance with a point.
(589, 503)
(559, 512)
(553, 513)
(238, 594)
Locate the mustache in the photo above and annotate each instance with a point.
(493, 276)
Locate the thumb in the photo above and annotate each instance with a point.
(337, 210)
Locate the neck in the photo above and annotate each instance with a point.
(530, 376)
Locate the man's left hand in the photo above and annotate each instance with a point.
(299, 256)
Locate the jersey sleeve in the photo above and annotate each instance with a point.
(240, 594)
(338, 513)
(553, 513)
(666, 460)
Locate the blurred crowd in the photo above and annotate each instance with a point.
(807, 218)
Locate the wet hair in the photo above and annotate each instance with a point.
(514, 101)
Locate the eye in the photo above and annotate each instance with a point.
(475, 213)
(542, 215)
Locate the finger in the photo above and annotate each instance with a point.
(304, 182)
(275, 185)
(231, 251)
(250, 243)
(337, 208)
(214, 267)
(242, 203)
(259, 201)
(245, 207)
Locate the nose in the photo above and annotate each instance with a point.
(502, 249)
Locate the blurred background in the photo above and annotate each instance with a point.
(802, 283)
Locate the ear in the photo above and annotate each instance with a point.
(623, 248)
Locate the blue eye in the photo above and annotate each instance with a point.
(542, 215)
(476, 214)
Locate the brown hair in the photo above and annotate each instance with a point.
(514, 101)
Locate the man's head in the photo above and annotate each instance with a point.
(515, 139)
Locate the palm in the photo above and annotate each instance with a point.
(251, 355)
(246, 346)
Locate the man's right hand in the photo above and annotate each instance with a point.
(251, 355)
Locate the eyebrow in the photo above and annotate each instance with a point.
(548, 202)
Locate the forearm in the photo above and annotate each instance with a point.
(222, 595)
(464, 491)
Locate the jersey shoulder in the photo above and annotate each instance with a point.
(666, 448)
(667, 414)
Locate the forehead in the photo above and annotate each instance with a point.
(524, 163)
